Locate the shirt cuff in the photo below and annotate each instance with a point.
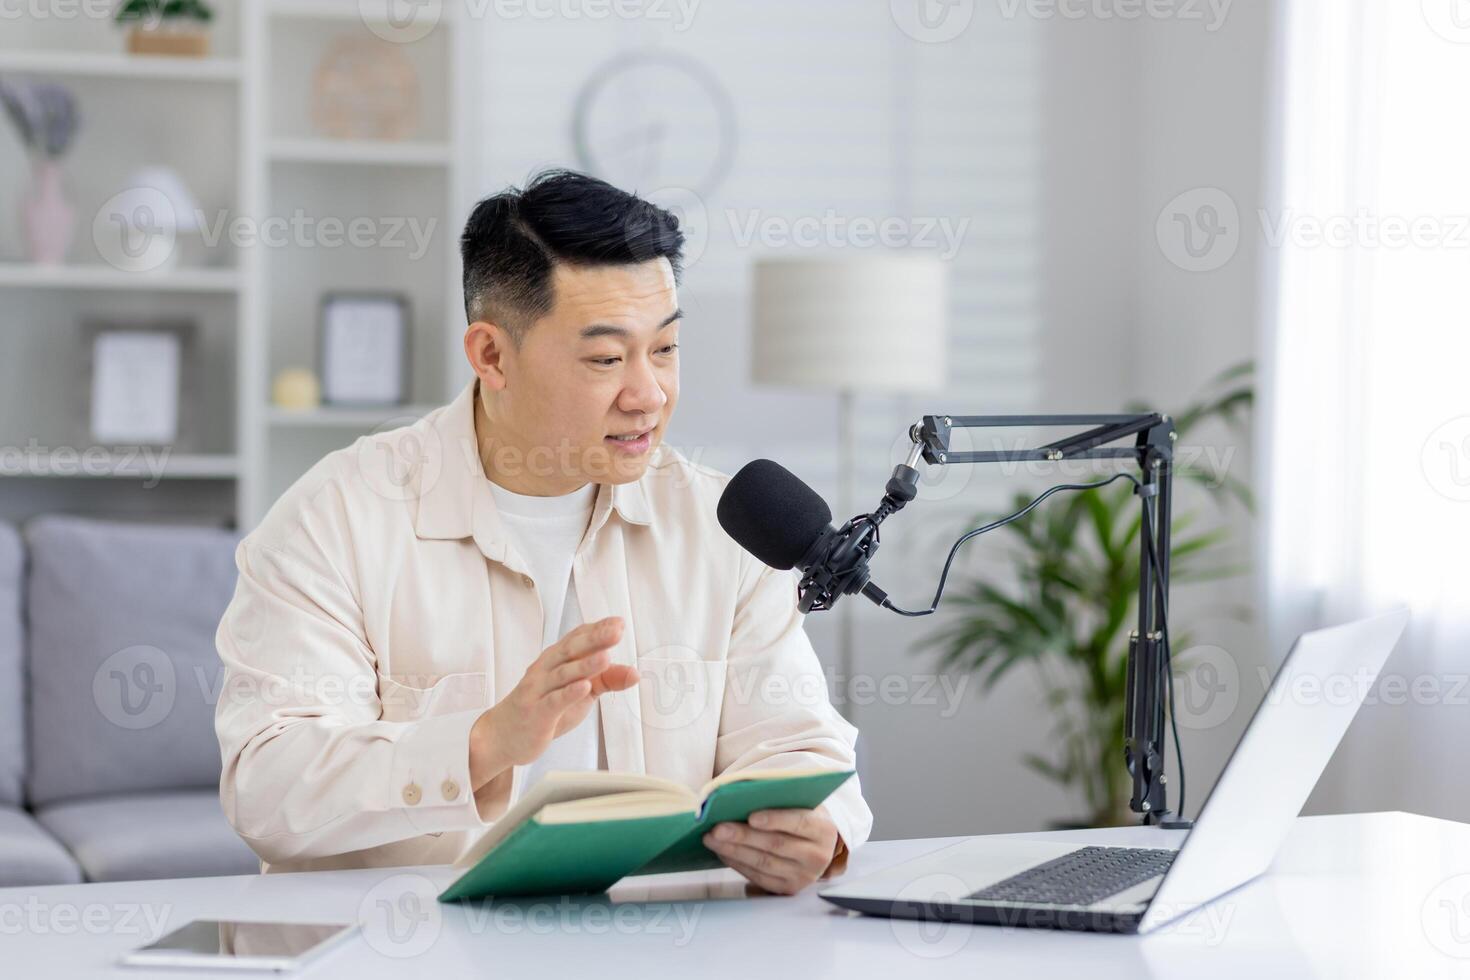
(429, 781)
(842, 851)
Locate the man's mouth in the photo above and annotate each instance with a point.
(632, 442)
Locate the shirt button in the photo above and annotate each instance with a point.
(412, 794)
(526, 581)
(450, 789)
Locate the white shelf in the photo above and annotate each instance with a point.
(362, 152)
(121, 66)
(101, 464)
(358, 11)
(346, 418)
(21, 275)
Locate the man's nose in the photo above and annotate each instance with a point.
(642, 394)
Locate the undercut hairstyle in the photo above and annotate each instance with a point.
(513, 240)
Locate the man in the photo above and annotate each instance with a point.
(524, 580)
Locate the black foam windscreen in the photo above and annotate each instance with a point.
(772, 514)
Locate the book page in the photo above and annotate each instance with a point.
(561, 787)
(619, 806)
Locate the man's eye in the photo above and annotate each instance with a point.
(668, 349)
(605, 361)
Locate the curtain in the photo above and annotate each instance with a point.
(1366, 376)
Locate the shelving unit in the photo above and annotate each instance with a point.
(345, 418)
(101, 465)
(23, 275)
(120, 67)
(362, 153)
(419, 178)
(237, 127)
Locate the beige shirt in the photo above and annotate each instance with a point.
(380, 610)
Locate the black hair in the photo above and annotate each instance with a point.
(513, 239)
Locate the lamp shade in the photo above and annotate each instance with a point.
(872, 322)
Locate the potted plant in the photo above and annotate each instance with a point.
(1074, 602)
(45, 118)
(167, 27)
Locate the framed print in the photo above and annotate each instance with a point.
(138, 382)
(364, 349)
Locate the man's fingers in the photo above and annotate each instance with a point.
(774, 884)
(576, 670)
(808, 854)
(757, 857)
(618, 677)
(565, 697)
(585, 639)
(798, 823)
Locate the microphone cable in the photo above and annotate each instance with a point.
(1002, 522)
(1146, 528)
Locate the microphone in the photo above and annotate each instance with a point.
(780, 520)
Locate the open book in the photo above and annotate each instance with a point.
(582, 831)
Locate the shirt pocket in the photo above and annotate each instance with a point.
(680, 699)
(411, 697)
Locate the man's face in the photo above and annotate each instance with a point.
(602, 364)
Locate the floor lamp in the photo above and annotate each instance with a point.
(858, 325)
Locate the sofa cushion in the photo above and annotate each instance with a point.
(180, 834)
(121, 656)
(30, 856)
(12, 668)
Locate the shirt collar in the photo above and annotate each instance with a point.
(453, 493)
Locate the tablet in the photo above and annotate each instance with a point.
(214, 944)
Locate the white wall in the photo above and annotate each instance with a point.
(1204, 110)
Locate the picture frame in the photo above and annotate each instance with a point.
(140, 382)
(364, 348)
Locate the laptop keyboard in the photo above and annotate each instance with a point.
(1082, 877)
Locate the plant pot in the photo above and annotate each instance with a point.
(50, 218)
(163, 39)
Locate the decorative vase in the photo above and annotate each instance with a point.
(49, 217)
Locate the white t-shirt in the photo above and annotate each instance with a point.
(546, 531)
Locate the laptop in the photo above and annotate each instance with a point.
(1037, 883)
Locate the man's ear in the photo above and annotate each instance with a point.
(485, 345)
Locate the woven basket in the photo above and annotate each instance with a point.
(172, 41)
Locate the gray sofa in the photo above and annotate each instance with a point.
(109, 766)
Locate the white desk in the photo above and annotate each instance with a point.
(1379, 895)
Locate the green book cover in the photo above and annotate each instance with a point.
(737, 801)
(558, 858)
